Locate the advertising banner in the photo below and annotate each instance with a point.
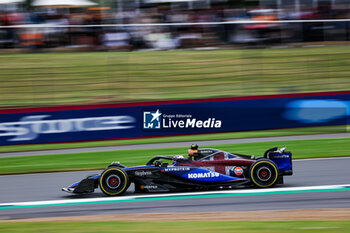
(165, 118)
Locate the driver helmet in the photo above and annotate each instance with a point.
(194, 147)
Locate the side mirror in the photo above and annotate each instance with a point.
(158, 163)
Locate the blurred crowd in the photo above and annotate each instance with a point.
(57, 27)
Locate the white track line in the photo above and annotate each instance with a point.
(245, 191)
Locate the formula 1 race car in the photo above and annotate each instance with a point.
(213, 169)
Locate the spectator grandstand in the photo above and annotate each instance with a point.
(155, 24)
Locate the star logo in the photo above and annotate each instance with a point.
(156, 115)
(152, 119)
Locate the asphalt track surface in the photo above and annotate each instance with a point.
(175, 144)
(47, 186)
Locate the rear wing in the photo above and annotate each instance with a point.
(282, 158)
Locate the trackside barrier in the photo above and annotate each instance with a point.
(165, 118)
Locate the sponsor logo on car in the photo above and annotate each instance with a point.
(202, 175)
(143, 173)
(176, 169)
(238, 171)
(148, 186)
(279, 156)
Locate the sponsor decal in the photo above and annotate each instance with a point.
(280, 156)
(202, 175)
(150, 186)
(238, 171)
(176, 169)
(143, 173)
(30, 127)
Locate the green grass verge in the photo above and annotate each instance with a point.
(189, 138)
(99, 160)
(45, 79)
(176, 226)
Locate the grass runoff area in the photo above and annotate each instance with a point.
(47, 79)
(189, 138)
(100, 160)
(176, 226)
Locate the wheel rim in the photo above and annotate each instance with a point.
(264, 173)
(113, 181)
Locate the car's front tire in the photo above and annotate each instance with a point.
(263, 173)
(114, 181)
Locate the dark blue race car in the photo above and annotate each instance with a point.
(212, 169)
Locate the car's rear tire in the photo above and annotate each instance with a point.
(263, 173)
(114, 181)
